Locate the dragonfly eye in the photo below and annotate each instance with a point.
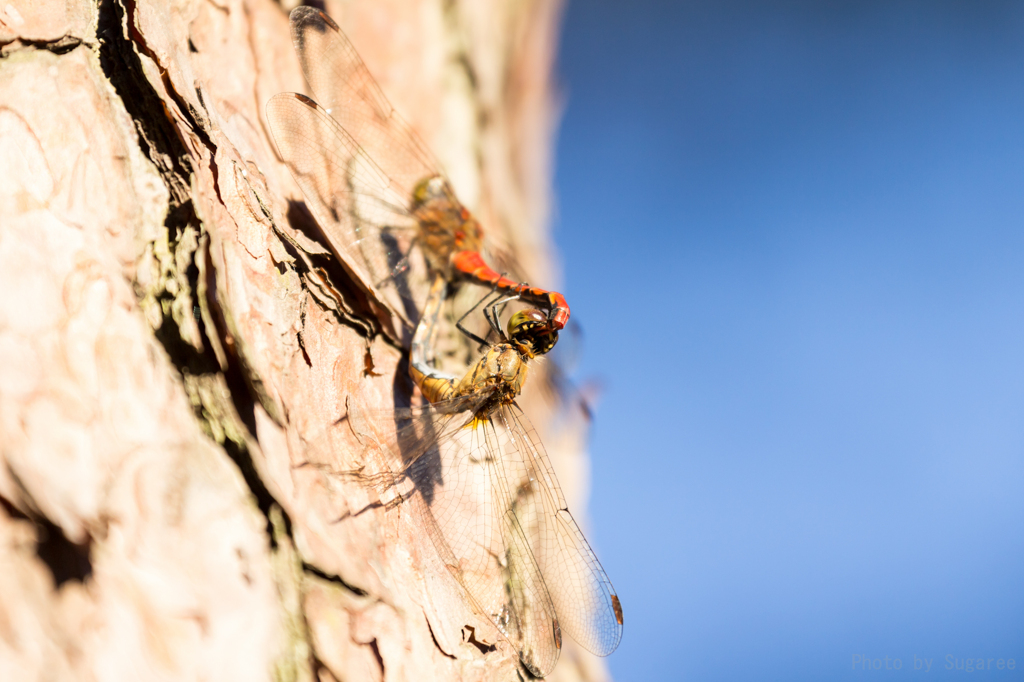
(429, 189)
(530, 327)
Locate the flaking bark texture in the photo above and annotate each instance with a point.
(175, 342)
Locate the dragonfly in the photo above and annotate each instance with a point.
(473, 470)
(370, 181)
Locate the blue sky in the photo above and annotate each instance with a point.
(793, 234)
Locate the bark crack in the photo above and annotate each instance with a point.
(66, 560)
(66, 43)
(332, 578)
(222, 398)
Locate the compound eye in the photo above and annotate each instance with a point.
(531, 327)
(428, 189)
(526, 320)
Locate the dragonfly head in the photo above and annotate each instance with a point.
(429, 190)
(531, 328)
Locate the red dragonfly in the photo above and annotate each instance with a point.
(368, 179)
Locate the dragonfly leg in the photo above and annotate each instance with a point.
(482, 342)
(470, 265)
(458, 325)
(520, 288)
(493, 315)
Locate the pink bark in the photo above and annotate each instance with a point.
(175, 347)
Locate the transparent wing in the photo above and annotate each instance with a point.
(352, 199)
(587, 606)
(342, 84)
(448, 457)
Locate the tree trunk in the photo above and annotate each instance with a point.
(174, 342)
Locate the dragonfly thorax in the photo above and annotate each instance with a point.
(501, 370)
(445, 225)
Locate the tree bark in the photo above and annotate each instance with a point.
(175, 342)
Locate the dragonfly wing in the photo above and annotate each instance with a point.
(449, 458)
(343, 85)
(587, 606)
(540, 627)
(487, 549)
(350, 197)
